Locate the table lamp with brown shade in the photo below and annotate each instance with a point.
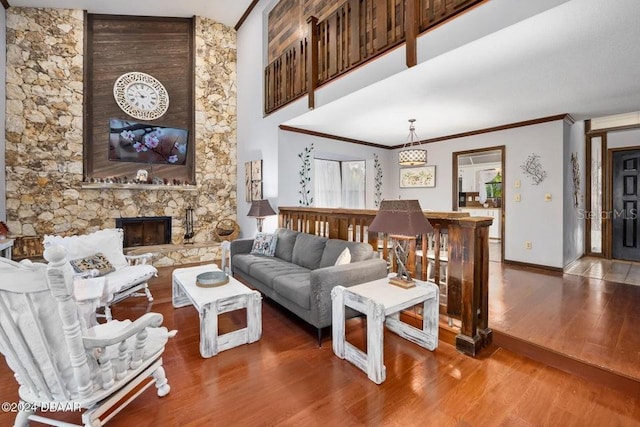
(400, 218)
(260, 209)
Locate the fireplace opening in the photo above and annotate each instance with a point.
(145, 231)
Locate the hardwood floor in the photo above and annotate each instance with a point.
(285, 379)
(590, 319)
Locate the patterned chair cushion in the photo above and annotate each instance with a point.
(97, 262)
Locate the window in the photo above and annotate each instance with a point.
(339, 184)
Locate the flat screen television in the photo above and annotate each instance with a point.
(145, 143)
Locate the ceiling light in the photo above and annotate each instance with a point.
(411, 154)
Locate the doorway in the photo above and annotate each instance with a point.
(478, 189)
(624, 215)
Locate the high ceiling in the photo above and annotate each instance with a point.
(227, 12)
(581, 57)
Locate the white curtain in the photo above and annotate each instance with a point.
(339, 184)
(353, 177)
(327, 184)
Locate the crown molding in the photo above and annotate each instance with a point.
(566, 117)
(329, 136)
(244, 16)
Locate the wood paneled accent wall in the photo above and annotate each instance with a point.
(285, 26)
(288, 21)
(161, 47)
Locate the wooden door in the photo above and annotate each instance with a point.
(626, 195)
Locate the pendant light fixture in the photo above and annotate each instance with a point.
(411, 154)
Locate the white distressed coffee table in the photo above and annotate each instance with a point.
(210, 302)
(382, 303)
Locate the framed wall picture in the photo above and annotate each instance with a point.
(422, 176)
(247, 181)
(256, 190)
(256, 170)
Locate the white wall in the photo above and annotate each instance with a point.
(3, 62)
(532, 219)
(260, 138)
(573, 222)
(257, 135)
(291, 144)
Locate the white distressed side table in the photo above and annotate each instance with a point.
(210, 302)
(5, 247)
(382, 303)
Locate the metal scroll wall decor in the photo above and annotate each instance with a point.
(533, 169)
(378, 180)
(305, 177)
(575, 170)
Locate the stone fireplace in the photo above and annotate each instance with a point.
(45, 187)
(145, 231)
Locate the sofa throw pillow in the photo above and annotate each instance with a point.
(94, 262)
(344, 257)
(308, 250)
(264, 244)
(286, 242)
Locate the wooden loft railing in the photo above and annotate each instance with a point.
(466, 254)
(356, 32)
(285, 78)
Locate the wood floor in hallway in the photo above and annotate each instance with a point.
(591, 319)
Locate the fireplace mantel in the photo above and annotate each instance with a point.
(121, 186)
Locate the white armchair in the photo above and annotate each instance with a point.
(61, 365)
(131, 274)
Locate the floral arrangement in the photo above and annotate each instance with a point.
(4, 230)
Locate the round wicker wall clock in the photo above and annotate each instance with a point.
(141, 95)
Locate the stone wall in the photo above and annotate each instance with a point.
(44, 135)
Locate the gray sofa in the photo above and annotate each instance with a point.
(302, 273)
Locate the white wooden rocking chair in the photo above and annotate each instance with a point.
(60, 364)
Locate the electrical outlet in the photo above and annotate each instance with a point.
(516, 183)
(528, 245)
(517, 197)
